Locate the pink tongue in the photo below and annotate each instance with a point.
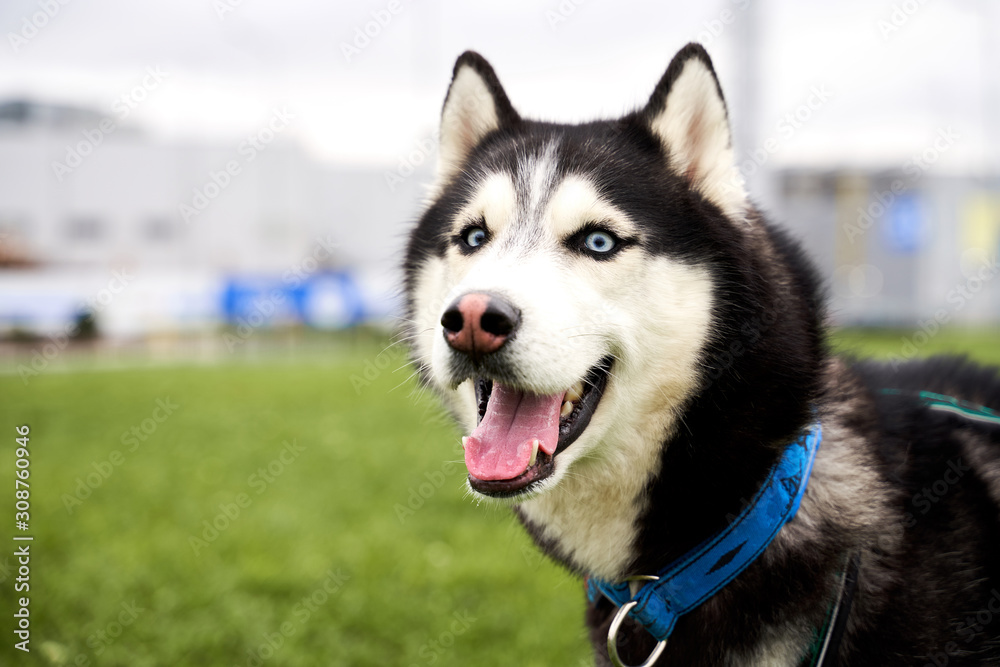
(500, 447)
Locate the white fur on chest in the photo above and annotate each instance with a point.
(594, 524)
(593, 514)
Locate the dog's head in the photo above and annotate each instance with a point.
(560, 283)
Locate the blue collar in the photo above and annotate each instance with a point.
(698, 575)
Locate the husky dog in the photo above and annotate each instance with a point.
(633, 349)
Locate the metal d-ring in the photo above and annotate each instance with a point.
(633, 582)
(613, 635)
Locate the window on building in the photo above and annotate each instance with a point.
(84, 228)
(159, 230)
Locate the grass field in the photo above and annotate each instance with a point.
(303, 513)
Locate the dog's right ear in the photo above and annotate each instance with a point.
(475, 106)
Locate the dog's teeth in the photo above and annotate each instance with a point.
(575, 392)
(465, 441)
(567, 408)
(534, 452)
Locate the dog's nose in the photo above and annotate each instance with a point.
(478, 324)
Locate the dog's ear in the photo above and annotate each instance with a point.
(687, 113)
(475, 106)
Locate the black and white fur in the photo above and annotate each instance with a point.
(715, 322)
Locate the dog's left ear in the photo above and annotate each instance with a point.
(476, 105)
(687, 113)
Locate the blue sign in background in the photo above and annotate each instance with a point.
(904, 228)
(324, 300)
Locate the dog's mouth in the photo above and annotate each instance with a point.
(520, 434)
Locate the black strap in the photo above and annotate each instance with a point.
(826, 649)
(843, 612)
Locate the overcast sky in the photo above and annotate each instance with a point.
(891, 79)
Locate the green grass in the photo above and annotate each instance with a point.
(368, 447)
(335, 507)
(981, 344)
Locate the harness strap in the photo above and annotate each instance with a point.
(826, 649)
(950, 404)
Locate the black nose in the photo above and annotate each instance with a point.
(478, 323)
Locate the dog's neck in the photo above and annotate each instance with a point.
(591, 522)
(794, 582)
(610, 522)
(708, 474)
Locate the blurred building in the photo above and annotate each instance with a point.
(98, 216)
(899, 247)
(151, 235)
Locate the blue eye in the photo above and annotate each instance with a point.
(474, 236)
(599, 242)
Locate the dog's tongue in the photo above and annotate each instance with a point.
(500, 447)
